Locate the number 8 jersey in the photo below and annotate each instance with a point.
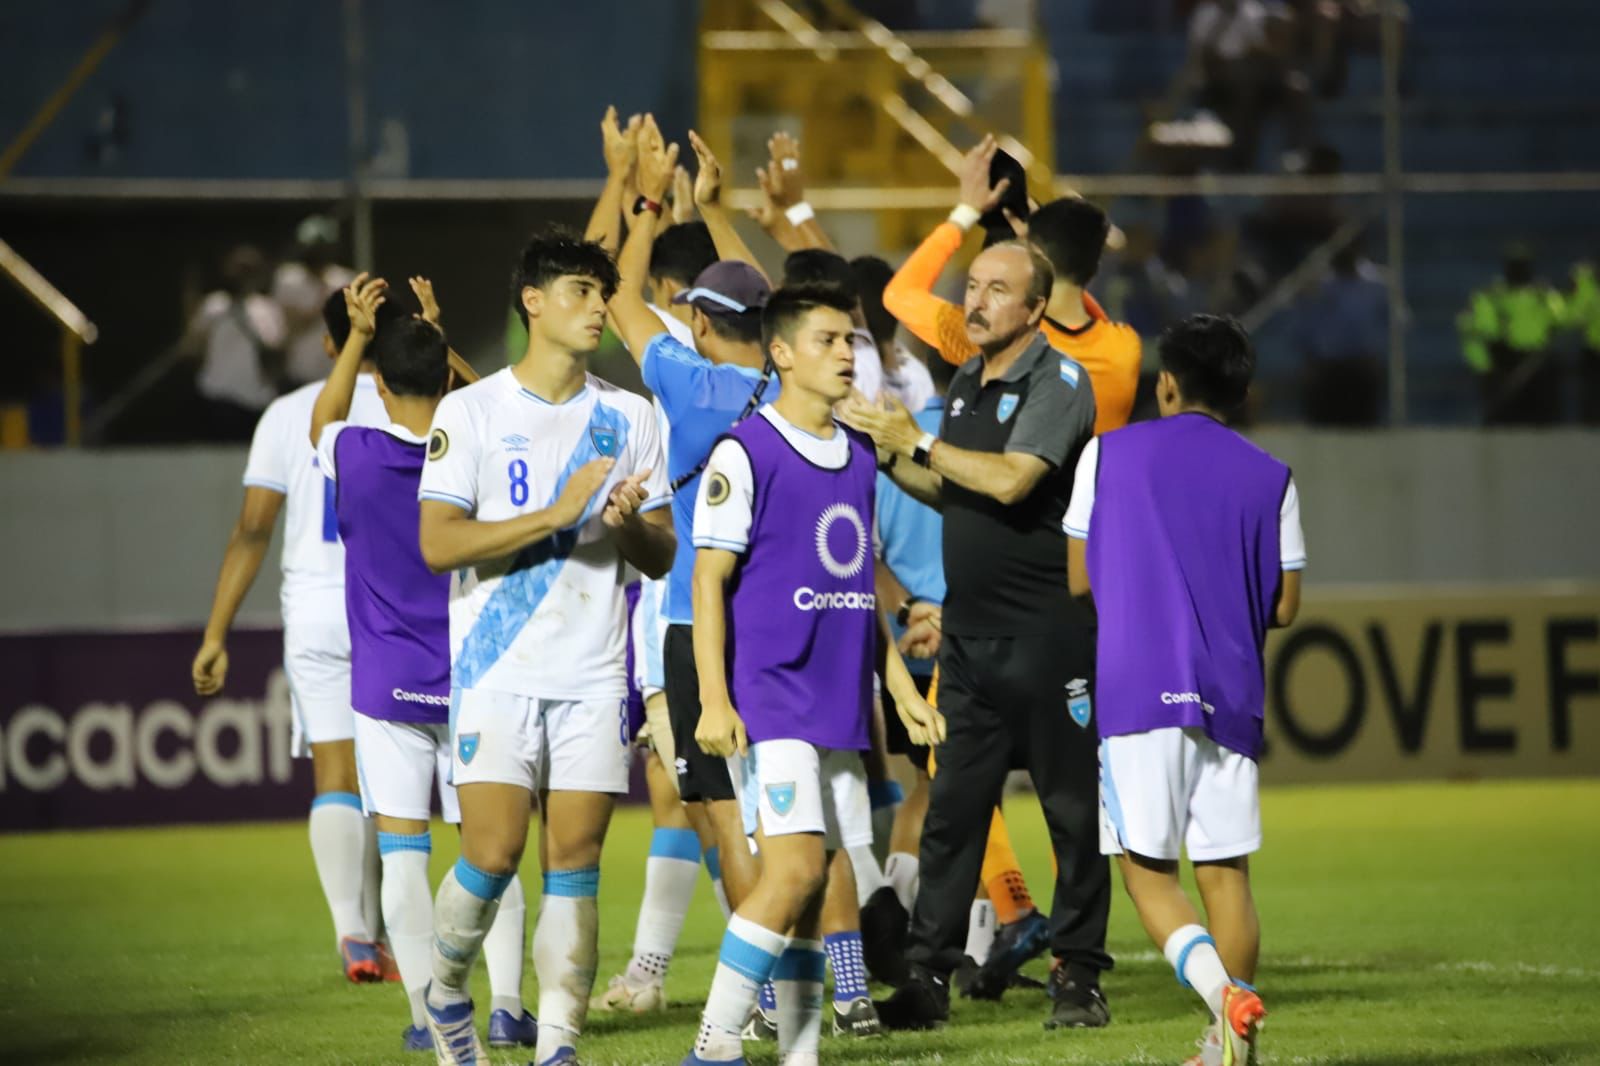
(550, 621)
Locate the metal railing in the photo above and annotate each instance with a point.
(76, 331)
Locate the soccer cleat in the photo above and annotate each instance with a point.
(692, 1059)
(416, 1038)
(455, 1038)
(1078, 1004)
(1242, 1018)
(923, 1002)
(856, 1018)
(1014, 944)
(1210, 1045)
(563, 1056)
(361, 962)
(622, 995)
(507, 1030)
(390, 968)
(884, 928)
(763, 1025)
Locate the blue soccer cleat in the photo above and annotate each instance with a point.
(455, 1038)
(507, 1030)
(416, 1038)
(362, 964)
(564, 1056)
(1014, 944)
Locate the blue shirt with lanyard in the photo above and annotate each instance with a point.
(911, 535)
(703, 400)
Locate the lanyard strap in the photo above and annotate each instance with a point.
(749, 409)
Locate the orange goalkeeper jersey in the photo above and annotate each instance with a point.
(1109, 351)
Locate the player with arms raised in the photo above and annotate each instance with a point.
(541, 481)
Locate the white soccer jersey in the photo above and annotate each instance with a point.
(283, 460)
(551, 621)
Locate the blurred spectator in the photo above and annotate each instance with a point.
(238, 334)
(1341, 330)
(1222, 280)
(1138, 286)
(1506, 332)
(301, 286)
(1238, 68)
(1288, 228)
(1581, 312)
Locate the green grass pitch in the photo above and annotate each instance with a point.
(1442, 925)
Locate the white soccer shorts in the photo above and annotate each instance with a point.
(564, 745)
(801, 788)
(316, 659)
(648, 630)
(1174, 790)
(398, 762)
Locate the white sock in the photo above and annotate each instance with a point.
(797, 981)
(462, 913)
(566, 947)
(1193, 955)
(670, 874)
(408, 912)
(372, 882)
(901, 871)
(981, 926)
(749, 955)
(339, 848)
(869, 875)
(503, 948)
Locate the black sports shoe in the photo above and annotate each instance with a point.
(1079, 1003)
(859, 1018)
(1014, 944)
(966, 977)
(923, 1002)
(884, 924)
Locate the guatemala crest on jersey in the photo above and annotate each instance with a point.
(781, 797)
(1078, 703)
(467, 746)
(1008, 406)
(604, 439)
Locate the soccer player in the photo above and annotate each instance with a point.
(784, 624)
(1188, 538)
(400, 643)
(280, 473)
(703, 393)
(542, 480)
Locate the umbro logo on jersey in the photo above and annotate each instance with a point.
(957, 407)
(438, 444)
(1078, 702)
(516, 442)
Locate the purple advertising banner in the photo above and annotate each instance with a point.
(104, 729)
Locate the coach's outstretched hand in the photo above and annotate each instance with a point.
(720, 731)
(210, 669)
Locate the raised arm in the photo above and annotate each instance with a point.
(362, 298)
(909, 295)
(618, 142)
(708, 197)
(451, 538)
(783, 185)
(462, 371)
(631, 316)
(241, 561)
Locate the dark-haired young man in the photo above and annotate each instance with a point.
(823, 266)
(1188, 538)
(400, 642)
(785, 620)
(281, 472)
(541, 481)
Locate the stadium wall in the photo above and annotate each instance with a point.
(1451, 626)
